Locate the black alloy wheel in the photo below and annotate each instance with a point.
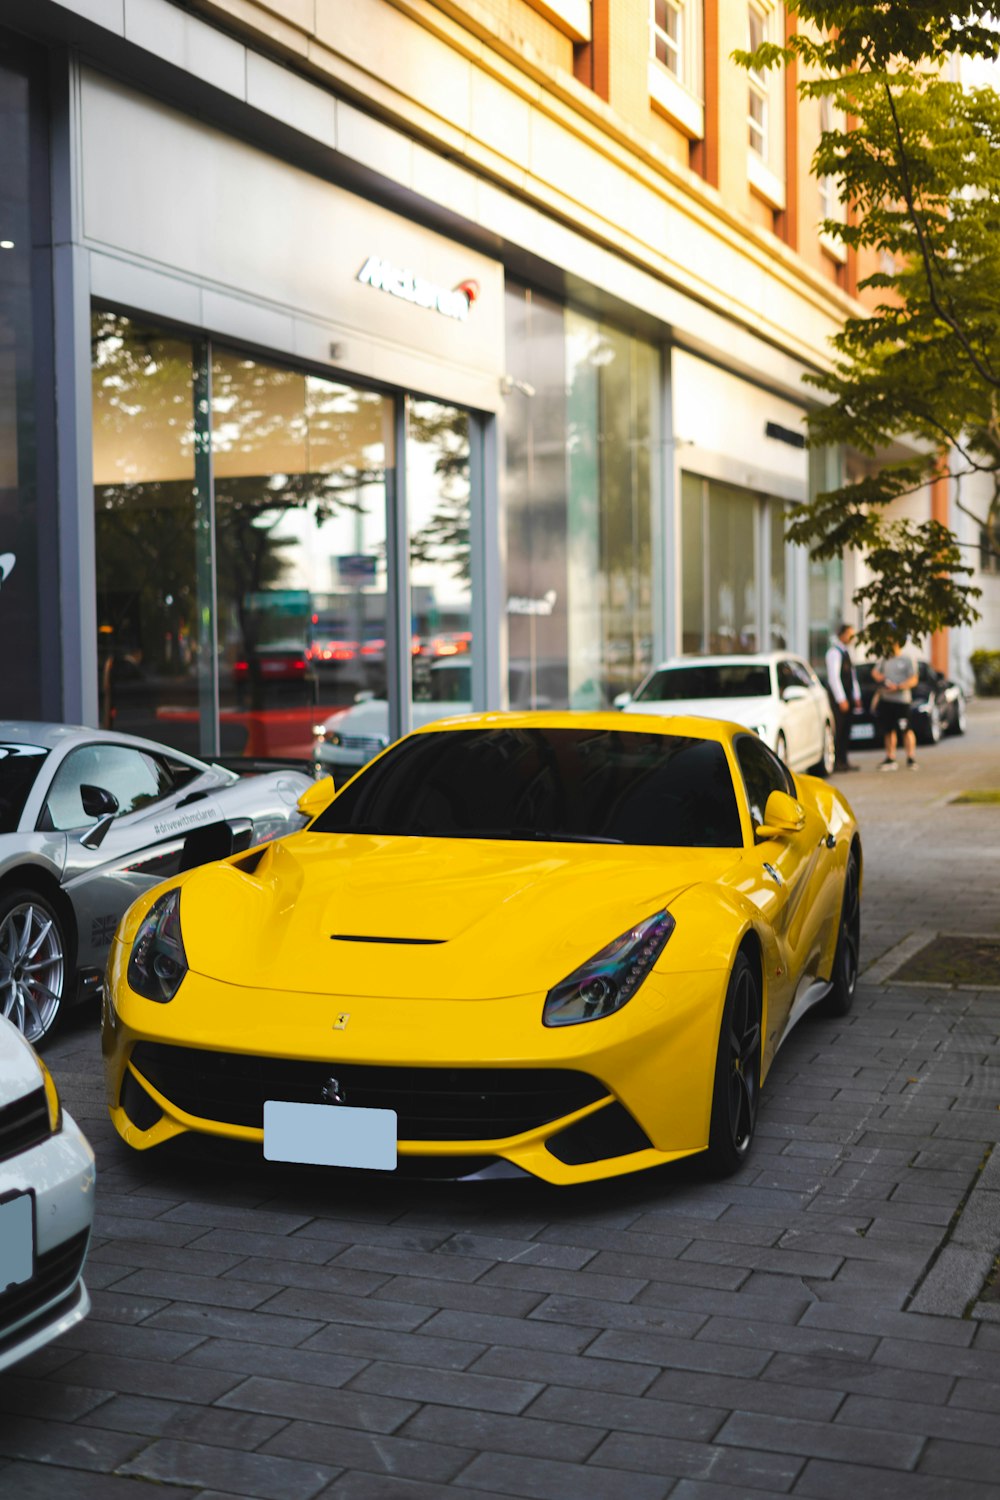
(846, 959)
(737, 1073)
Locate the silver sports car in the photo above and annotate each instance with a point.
(88, 820)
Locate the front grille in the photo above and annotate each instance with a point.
(24, 1124)
(433, 1104)
(55, 1274)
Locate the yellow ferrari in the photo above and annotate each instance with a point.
(563, 944)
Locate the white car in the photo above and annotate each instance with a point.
(774, 693)
(46, 1204)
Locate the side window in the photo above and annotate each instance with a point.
(763, 774)
(135, 778)
(786, 676)
(802, 675)
(178, 772)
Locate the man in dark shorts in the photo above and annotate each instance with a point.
(896, 677)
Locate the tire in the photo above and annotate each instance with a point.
(34, 963)
(961, 719)
(824, 766)
(736, 1093)
(932, 730)
(844, 975)
(781, 748)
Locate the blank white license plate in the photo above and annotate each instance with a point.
(863, 732)
(17, 1241)
(330, 1135)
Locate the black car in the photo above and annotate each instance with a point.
(938, 707)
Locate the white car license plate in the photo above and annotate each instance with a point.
(17, 1241)
(330, 1135)
(863, 732)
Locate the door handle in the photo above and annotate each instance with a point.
(770, 870)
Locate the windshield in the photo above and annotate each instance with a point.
(19, 765)
(563, 785)
(676, 684)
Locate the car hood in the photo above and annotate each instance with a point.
(443, 918)
(749, 711)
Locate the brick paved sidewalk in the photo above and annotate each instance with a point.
(262, 1331)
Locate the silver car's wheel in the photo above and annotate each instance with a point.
(32, 963)
(780, 747)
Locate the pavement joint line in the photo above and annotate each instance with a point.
(883, 968)
(943, 1288)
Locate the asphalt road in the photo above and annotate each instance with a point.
(265, 1331)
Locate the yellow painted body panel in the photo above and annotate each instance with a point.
(493, 926)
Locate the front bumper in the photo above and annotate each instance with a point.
(472, 1082)
(60, 1173)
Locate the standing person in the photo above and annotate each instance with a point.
(896, 677)
(845, 694)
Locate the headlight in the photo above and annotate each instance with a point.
(51, 1097)
(158, 962)
(332, 737)
(609, 980)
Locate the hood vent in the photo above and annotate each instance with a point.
(361, 937)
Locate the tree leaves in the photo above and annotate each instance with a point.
(918, 164)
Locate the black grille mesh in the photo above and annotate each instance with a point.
(433, 1104)
(55, 1274)
(24, 1124)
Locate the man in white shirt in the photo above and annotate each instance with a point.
(845, 694)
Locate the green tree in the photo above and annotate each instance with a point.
(916, 159)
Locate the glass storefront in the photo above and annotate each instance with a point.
(29, 683)
(580, 490)
(242, 562)
(732, 602)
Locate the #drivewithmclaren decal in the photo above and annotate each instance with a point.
(178, 823)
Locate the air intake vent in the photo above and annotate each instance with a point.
(361, 937)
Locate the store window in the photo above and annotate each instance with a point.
(299, 477)
(580, 438)
(438, 505)
(29, 619)
(242, 560)
(826, 605)
(731, 602)
(149, 528)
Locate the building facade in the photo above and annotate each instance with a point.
(342, 341)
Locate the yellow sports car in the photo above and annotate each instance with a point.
(564, 944)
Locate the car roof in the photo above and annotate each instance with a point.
(737, 659)
(61, 736)
(687, 725)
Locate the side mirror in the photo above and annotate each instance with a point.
(781, 815)
(622, 700)
(98, 802)
(365, 695)
(794, 694)
(96, 834)
(316, 797)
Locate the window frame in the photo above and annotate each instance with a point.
(679, 92)
(765, 161)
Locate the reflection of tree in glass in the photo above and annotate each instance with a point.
(444, 536)
(282, 441)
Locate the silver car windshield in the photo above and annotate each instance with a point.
(19, 766)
